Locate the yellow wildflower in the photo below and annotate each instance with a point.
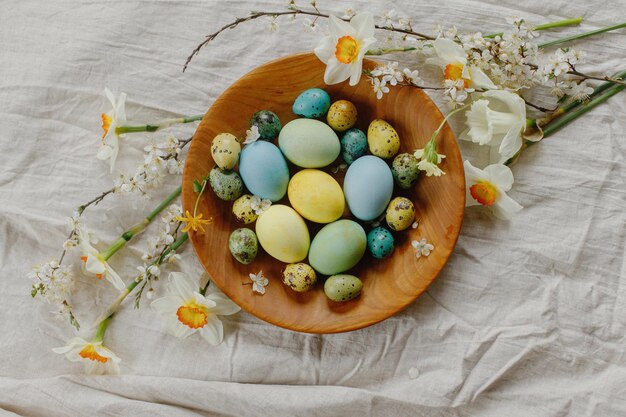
(194, 222)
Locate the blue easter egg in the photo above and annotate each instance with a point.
(264, 171)
(353, 145)
(380, 242)
(312, 103)
(368, 186)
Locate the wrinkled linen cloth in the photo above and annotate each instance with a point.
(527, 319)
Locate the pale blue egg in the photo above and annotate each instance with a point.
(368, 187)
(264, 170)
(312, 103)
(380, 242)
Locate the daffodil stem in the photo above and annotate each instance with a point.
(545, 26)
(581, 35)
(102, 328)
(203, 290)
(445, 119)
(157, 126)
(139, 227)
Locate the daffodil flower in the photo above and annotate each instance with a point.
(497, 119)
(98, 359)
(194, 223)
(452, 59)
(94, 263)
(186, 311)
(488, 187)
(344, 48)
(110, 139)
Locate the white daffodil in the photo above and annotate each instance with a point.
(452, 59)
(497, 119)
(186, 311)
(344, 48)
(488, 187)
(110, 139)
(259, 205)
(259, 282)
(93, 263)
(98, 360)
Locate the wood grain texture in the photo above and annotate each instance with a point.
(389, 285)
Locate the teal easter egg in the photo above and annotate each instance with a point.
(342, 287)
(380, 242)
(227, 185)
(368, 186)
(353, 145)
(309, 143)
(268, 124)
(264, 170)
(312, 103)
(337, 247)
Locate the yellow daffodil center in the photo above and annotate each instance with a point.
(194, 222)
(484, 192)
(89, 352)
(192, 315)
(106, 124)
(347, 49)
(454, 72)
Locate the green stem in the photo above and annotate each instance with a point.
(157, 126)
(445, 119)
(195, 207)
(581, 35)
(545, 26)
(102, 328)
(139, 227)
(383, 51)
(203, 290)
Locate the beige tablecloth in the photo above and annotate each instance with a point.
(527, 319)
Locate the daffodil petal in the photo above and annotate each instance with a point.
(224, 306)
(505, 207)
(168, 304)
(449, 51)
(336, 72)
(511, 143)
(114, 278)
(364, 25)
(339, 27)
(213, 331)
(478, 78)
(183, 285)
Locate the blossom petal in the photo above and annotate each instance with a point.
(213, 331)
(500, 175)
(505, 207)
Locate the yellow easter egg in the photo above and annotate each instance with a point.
(225, 150)
(242, 209)
(299, 277)
(400, 213)
(383, 140)
(316, 196)
(341, 115)
(283, 234)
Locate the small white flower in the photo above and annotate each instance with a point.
(348, 14)
(379, 87)
(259, 282)
(110, 140)
(412, 77)
(186, 311)
(429, 160)
(94, 264)
(488, 187)
(252, 135)
(422, 248)
(580, 92)
(98, 359)
(259, 205)
(415, 225)
(272, 26)
(154, 270)
(343, 50)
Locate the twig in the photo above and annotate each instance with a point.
(542, 109)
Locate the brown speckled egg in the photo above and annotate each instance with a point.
(341, 115)
(225, 150)
(383, 139)
(400, 213)
(242, 209)
(299, 277)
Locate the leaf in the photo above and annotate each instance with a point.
(197, 187)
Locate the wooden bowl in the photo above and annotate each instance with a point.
(389, 285)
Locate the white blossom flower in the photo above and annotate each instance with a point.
(580, 91)
(412, 77)
(53, 282)
(110, 140)
(422, 248)
(452, 59)
(93, 263)
(488, 187)
(343, 50)
(497, 119)
(98, 359)
(379, 87)
(429, 160)
(259, 205)
(259, 282)
(272, 25)
(252, 135)
(348, 14)
(388, 17)
(186, 311)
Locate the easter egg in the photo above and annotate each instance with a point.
(283, 234)
(312, 103)
(316, 196)
(242, 209)
(342, 287)
(225, 150)
(400, 213)
(353, 145)
(268, 124)
(368, 186)
(380, 242)
(243, 245)
(227, 185)
(299, 277)
(383, 139)
(309, 143)
(264, 170)
(341, 115)
(405, 171)
(337, 247)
